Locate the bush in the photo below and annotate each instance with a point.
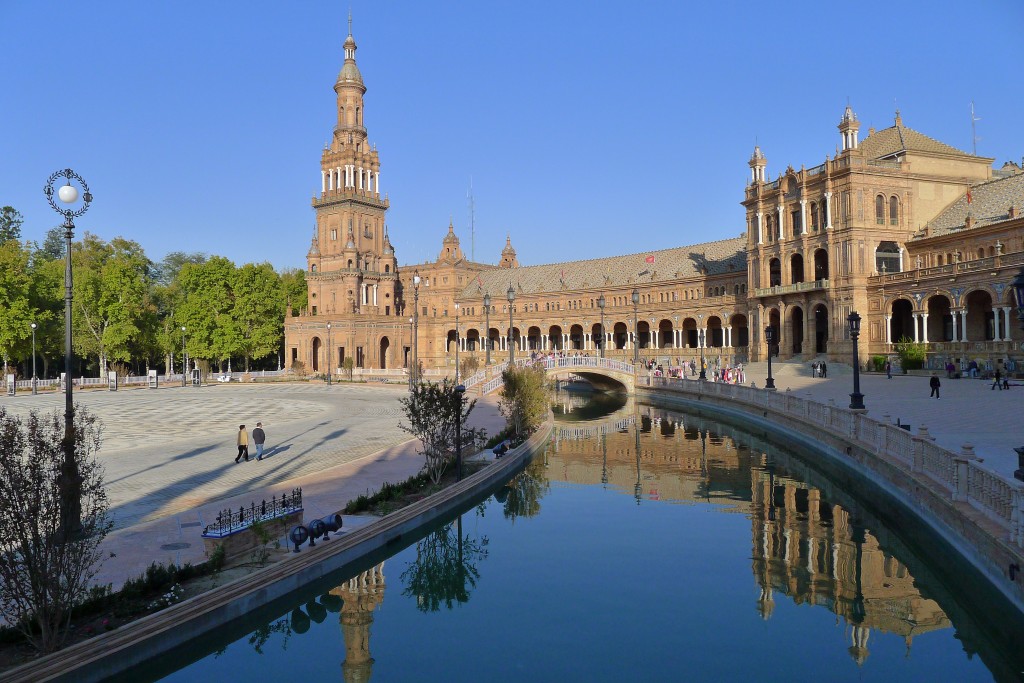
(524, 399)
(912, 354)
(878, 363)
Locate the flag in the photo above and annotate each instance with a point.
(649, 259)
(969, 198)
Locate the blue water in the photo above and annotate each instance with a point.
(704, 559)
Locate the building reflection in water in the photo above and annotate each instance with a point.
(803, 547)
(360, 596)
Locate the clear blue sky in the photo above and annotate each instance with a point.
(588, 128)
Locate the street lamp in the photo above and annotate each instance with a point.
(769, 337)
(638, 489)
(70, 480)
(636, 330)
(184, 361)
(460, 393)
(856, 398)
(600, 304)
(328, 354)
(414, 375)
(487, 324)
(35, 387)
(409, 363)
(701, 340)
(511, 294)
(456, 342)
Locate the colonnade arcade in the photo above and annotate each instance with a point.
(799, 329)
(719, 331)
(978, 315)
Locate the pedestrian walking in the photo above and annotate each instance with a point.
(824, 369)
(258, 438)
(998, 381)
(935, 384)
(814, 369)
(243, 444)
(888, 369)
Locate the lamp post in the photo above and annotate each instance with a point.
(700, 344)
(184, 362)
(856, 398)
(636, 330)
(487, 331)
(35, 387)
(414, 374)
(328, 354)
(70, 480)
(457, 343)
(511, 294)
(600, 304)
(460, 393)
(769, 337)
(638, 489)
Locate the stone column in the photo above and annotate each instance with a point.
(995, 323)
(828, 210)
(953, 316)
(803, 216)
(924, 327)
(1006, 327)
(728, 336)
(376, 182)
(963, 324)
(888, 329)
(323, 181)
(917, 336)
(781, 211)
(760, 228)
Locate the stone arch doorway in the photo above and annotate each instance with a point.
(740, 334)
(980, 319)
(901, 325)
(317, 344)
(939, 327)
(620, 336)
(796, 268)
(576, 337)
(385, 346)
(715, 334)
(796, 332)
(774, 322)
(820, 264)
(820, 329)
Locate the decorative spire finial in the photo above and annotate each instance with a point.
(350, 20)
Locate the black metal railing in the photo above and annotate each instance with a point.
(230, 521)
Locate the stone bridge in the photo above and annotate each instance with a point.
(605, 374)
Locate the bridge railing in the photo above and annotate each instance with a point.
(958, 476)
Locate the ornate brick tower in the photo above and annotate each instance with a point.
(351, 262)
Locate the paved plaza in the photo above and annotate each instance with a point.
(169, 453)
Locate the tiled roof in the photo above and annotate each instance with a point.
(899, 138)
(990, 203)
(711, 258)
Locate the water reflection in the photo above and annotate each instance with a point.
(804, 547)
(445, 568)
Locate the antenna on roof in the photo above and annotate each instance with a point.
(974, 130)
(472, 223)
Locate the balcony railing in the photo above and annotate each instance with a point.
(791, 289)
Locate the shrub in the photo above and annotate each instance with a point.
(912, 354)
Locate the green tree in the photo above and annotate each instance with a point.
(433, 411)
(524, 399)
(912, 354)
(257, 312)
(111, 287)
(16, 310)
(207, 309)
(168, 269)
(293, 290)
(55, 243)
(10, 224)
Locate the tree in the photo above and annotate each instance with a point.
(111, 287)
(432, 411)
(912, 354)
(206, 309)
(167, 270)
(16, 311)
(10, 224)
(524, 399)
(42, 576)
(256, 312)
(293, 290)
(469, 365)
(55, 243)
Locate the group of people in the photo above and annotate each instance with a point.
(819, 369)
(259, 437)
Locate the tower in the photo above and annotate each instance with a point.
(758, 163)
(849, 127)
(508, 255)
(352, 267)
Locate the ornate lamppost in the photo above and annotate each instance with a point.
(457, 343)
(460, 394)
(35, 382)
(701, 340)
(487, 331)
(511, 294)
(856, 398)
(769, 337)
(184, 358)
(70, 480)
(414, 374)
(328, 354)
(636, 330)
(600, 304)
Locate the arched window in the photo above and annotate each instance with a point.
(880, 210)
(387, 267)
(350, 263)
(894, 210)
(938, 260)
(359, 117)
(981, 252)
(814, 216)
(312, 268)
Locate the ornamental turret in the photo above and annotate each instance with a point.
(849, 128)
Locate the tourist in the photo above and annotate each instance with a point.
(242, 443)
(823, 369)
(814, 369)
(972, 368)
(950, 370)
(258, 438)
(935, 384)
(998, 380)
(888, 369)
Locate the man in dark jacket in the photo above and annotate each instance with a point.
(259, 437)
(935, 384)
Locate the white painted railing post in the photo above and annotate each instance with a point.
(960, 460)
(1017, 514)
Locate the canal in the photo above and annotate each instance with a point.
(645, 543)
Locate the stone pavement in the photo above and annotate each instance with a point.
(169, 456)
(967, 412)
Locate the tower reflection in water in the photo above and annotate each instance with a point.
(804, 547)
